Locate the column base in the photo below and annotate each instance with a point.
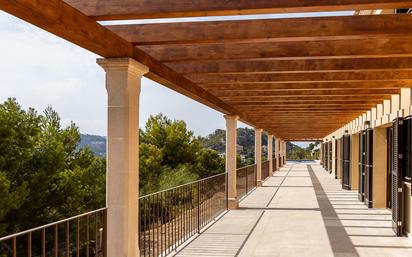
(259, 183)
(232, 203)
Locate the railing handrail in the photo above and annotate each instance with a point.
(98, 210)
(244, 167)
(50, 224)
(190, 183)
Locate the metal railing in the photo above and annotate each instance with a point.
(245, 180)
(169, 218)
(82, 235)
(265, 170)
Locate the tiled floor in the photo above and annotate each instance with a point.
(301, 211)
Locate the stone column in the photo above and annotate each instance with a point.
(258, 156)
(123, 78)
(231, 153)
(379, 168)
(284, 152)
(320, 153)
(281, 153)
(270, 154)
(276, 151)
(354, 162)
(333, 155)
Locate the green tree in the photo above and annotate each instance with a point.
(43, 178)
(170, 155)
(177, 144)
(208, 163)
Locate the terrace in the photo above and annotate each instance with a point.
(338, 72)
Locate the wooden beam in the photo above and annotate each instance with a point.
(307, 114)
(306, 86)
(351, 48)
(312, 105)
(280, 110)
(302, 119)
(245, 100)
(304, 129)
(325, 92)
(268, 106)
(143, 9)
(60, 19)
(305, 133)
(312, 77)
(304, 114)
(286, 66)
(262, 101)
(294, 117)
(267, 30)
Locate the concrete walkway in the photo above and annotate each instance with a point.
(301, 211)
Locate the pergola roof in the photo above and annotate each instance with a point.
(297, 78)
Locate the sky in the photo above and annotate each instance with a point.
(40, 69)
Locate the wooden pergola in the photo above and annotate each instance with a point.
(297, 78)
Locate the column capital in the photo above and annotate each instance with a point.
(271, 136)
(230, 117)
(259, 130)
(123, 64)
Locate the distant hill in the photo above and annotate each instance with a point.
(245, 142)
(215, 141)
(292, 147)
(96, 143)
(246, 146)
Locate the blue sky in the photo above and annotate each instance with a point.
(40, 69)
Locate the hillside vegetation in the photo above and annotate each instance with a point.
(47, 173)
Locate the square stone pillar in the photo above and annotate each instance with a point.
(321, 153)
(281, 153)
(339, 167)
(354, 162)
(276, 151)
(284, 152)
(270, 154)
(258, 156)
(231, 154)
(123, 78)
(379, 184)
(334, 156)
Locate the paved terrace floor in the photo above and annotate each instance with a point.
(301, 211)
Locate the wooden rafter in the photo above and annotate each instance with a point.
(294, 66)
(267, 30)
(351, 48)
(137, 9)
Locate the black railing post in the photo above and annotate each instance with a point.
(227, 190)
(198, 207)
(246, 179)
(105, 233)
(255, 173)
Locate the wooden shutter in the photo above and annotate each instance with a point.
(368, 178)
(397, 161)
(346, 162)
